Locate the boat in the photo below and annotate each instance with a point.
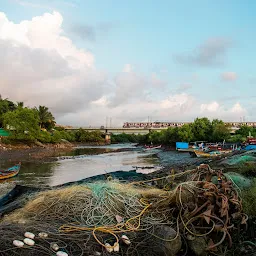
(152, 147)
(250, 144)
(10, 172)
(199, 153)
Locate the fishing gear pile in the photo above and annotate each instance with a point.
(199, 214)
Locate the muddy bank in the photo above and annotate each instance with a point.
(33, 154)
(48, 152)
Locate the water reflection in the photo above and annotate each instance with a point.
(80, 168)
(83, 164)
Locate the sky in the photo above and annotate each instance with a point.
(92, 61)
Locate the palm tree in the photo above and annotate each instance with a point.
(45, 116)
(20, 104)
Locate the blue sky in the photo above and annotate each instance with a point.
(204, 49)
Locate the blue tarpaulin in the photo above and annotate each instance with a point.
(181, 145)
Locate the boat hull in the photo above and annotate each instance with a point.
(211, 154)
(9, 173)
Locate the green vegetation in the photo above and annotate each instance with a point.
(23, 124)
(30, 124)
(249, 198)
(46, 119)
(202, 129)
(125, 138)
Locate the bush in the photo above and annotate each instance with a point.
(124, 138)
(56, 137)
(44, 137)
(85, 136)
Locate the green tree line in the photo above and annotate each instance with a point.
(38, 124)
(202, 129)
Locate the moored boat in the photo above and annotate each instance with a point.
(10, 172)
(152, 147)
(211, 153)
(250, 144)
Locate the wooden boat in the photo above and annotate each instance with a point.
(211, 153)
(10, 172)
(152, 147)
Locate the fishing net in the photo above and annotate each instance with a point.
(128, 219)
(238, 180)
(241, 159)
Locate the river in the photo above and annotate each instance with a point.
(84, 162)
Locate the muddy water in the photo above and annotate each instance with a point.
(85, 162)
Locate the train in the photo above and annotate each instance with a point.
(153, 124)
(158, 124)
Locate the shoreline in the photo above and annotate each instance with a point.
(37, 151)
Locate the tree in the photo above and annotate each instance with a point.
(185, 133)
(245, 130)
(202, 129)
(46, 119)
(20, 104)
(5, 106)
(22, 123)
(171, 136)
(220, 132)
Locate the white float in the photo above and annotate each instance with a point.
(29, 235)
(29, 241)
(18, 243)
(61, 253)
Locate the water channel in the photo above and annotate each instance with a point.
(84, 162)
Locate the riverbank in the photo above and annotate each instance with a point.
(31, 152)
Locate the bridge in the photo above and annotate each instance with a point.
(107, 131)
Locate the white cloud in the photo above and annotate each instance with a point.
(215, 110)
(40, 65)
(127, 68)
(229, 76)
(211, 107)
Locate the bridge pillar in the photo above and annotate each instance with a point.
(107, 137)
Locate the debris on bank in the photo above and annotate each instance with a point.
(197, 212)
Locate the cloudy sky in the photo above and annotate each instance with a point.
(127, 60)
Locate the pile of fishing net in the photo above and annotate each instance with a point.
(241, 159)
(105, 218)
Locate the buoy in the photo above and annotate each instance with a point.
(61, 253)
(29, 235)
(55, 247)
(125, 239)
(43, 235)
(108, 247)
(18, 243)
(29, 241)
(116, 247)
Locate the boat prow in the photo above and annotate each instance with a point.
(10, 172)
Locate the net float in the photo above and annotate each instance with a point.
(29, 241)
(18, 243)
(61, 253)
(55, 247)
(125, 239)
(116, 247)
(43, 235)
(29, 235)
(108, 247)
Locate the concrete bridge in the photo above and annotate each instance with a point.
(118, 130)
(107, 131)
